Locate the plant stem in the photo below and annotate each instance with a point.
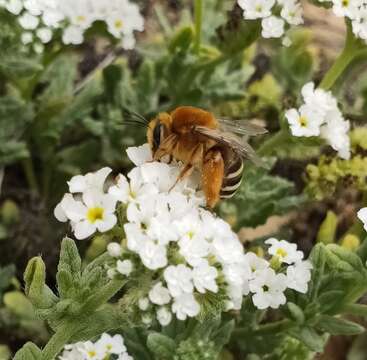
(198, 10)
(58, 340)
(352, 49)
(30, 174)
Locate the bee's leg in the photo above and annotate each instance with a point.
(165, 148)
(195, 158)
(212, 176)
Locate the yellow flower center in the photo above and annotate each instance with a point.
(92, 353)
(303, 121)
(80, 18)
(281, 253)
(259, 8)
(190, 234)
(109, 347)
(119, 24)
(345, 3)
(95, 214)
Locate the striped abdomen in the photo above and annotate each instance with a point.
(232, 177)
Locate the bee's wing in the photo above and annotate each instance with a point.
(237, 144)
(242, 127)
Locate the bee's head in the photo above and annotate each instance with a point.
(158, 129)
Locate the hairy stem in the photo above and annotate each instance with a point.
(352, 49)
(59, 340)
(30, 174)
(198, 9)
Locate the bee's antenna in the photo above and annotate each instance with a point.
(134, 117)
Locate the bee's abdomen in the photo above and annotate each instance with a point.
(232, 178)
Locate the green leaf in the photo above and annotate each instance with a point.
(69, 257)
(338, 326)
(329, 300)
(222, 336)
(19, 304)
(161, 346)
(29, 352)
(295, 313)
(318, 259)
(344, 259)
(19, 67)
(238, 34)
(309, 337)
(260, 196)
(182, 39)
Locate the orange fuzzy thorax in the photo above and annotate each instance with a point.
(185, 117)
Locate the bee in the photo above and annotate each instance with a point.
(200, 141)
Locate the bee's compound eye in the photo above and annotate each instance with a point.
(157, 134)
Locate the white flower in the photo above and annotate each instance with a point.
(111, 344)
(362, 215)
(14, 6)
(304, 122)
(320, 116)
(292, 12)
(34, 7)
(143, 304)
(133, 191)
(255, 262)
(360, 24)
(236, 297)
(336, 133)
(27, 38)
(153, 256)
(92, 351)
(268, 288)
(298, 276)
(73, 35)
(114, 249)
(91, 181)
(204, 277)
(28, 21)
(104, 348)
(348, 8)
(318, 100)
(185, 305)
(256, 9)
(272, 27)
(164, 316)
(44, 34)
(179, 279)
(94, 212)
(73, 352)
(140, 155)
(124, 267)
(284, 251)
(159, 295)
(146, 319)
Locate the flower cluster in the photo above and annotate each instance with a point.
(189, 254)
(320, 116)
(106, 348)
(355, 11)
(42, 19)
(273, 26)
(362, 215)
